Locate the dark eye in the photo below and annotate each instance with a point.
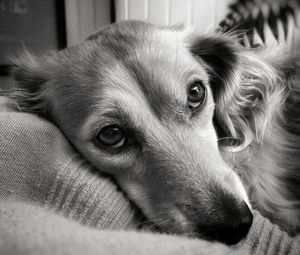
(196, 94)
(112, 136)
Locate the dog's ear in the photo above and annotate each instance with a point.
(220, 55)
(30, 75)
(242, 82)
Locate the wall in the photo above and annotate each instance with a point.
(204, 15)
(85, 16)
(26, 24)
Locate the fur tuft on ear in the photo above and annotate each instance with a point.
(246, 109)
(27, 71)
(30, 76)
(244, 89)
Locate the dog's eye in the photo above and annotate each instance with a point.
(112, 136)
(196, 94)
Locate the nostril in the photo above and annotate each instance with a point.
(231, 229)
(244, 221)
(245, 218)
(239, 228)
(244, 212)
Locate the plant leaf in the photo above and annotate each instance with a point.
(259, 24)
(284, 20)
(273, 23)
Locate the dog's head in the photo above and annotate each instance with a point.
(138, 102)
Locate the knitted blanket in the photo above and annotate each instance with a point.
(53, 202)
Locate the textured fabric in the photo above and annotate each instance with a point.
(27, 229)
(266, 238)
(53, 202)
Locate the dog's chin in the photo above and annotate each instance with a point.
(176, 222)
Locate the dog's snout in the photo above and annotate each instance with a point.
(231, 227)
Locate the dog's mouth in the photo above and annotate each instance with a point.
(229, 227)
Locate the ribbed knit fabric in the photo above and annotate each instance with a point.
(50, 197)
(266, 238)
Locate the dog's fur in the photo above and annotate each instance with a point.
(180, 167)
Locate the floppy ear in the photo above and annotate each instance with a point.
(29, 91)
(242, 84)
(220, 55)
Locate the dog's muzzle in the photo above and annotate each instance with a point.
(221, 216)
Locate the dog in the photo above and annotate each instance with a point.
(197, 130)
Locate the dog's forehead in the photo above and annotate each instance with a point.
(154, 65)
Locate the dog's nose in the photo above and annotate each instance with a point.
(232, 228)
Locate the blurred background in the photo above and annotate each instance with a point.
(43, 25)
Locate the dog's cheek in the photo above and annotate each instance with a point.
(133, 182)
(138, 193)
(205, 131)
